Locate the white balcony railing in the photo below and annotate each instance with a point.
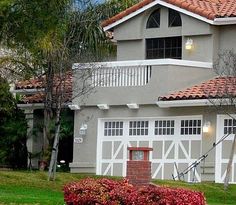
(122, 76)
(130, 73)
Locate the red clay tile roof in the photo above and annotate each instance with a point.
(209, 9)
(38, 83)
(215, 88)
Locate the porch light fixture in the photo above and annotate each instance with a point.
(83, 129)
(189, 44)
(133, 106)
(103, 106)
(206, 127)
(74, 107)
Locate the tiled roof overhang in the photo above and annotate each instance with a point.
(220, 87)
(39, 83)
(209, 9)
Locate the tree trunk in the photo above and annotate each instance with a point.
(53, 161)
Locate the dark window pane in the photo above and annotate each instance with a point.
(190, 131)
(199, 131)
(225, 130)
(174, 18)
(199, 122)
(154, 19)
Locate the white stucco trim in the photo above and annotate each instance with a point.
(192, 103)
(27, 91)
(216, 21)
(30, 106)
(166, 61)
(224, 21)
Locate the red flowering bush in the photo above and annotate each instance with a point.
(109, 192)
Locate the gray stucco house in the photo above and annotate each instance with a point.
(156, 93)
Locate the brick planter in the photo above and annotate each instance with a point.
(139, 166)
(139, 172)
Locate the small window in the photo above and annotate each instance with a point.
(164, 127)
(191, 127)
(154, 19)
(113, 128)
(174, 18)
(138, 128)
(229, 126)
(164, 48)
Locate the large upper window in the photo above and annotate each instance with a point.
(154, 19)
(170, 47)
(174, 18)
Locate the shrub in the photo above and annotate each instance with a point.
(109, 192)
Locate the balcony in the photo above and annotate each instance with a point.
(140, 81)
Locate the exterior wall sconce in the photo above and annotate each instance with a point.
(83, 130)
(189, 44)
(206, 127)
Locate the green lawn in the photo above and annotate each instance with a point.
(33, 188)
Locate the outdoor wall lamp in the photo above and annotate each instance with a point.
(83, 129)
(206, 127)
(189, 44)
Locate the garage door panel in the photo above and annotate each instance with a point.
(106, 169)
(183, 150)
(106, 153)
(143, 144)
(225, 126)
(117, 169)
(157, 150)
(169, 170)
(226, 149)
(195, 147)
(157, 170)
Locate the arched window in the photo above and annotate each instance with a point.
(154, 19)
(174, 18)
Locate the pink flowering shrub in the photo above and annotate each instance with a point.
(109, 192)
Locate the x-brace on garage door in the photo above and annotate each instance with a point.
(173, 139)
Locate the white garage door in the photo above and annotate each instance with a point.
(225, 125)
(173, 139)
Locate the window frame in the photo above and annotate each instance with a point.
(165, 48)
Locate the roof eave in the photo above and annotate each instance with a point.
(162, 3)
(224, 21)
(192, 103)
